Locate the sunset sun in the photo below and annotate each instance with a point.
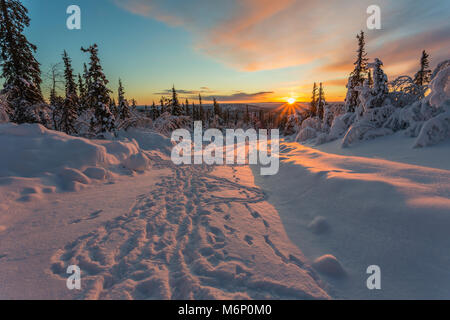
(291, 100)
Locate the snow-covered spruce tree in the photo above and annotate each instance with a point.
(423, 76)
(98, 99)
(437, 127)
(246, 115)
(87, 77)
(114, 109)
(374, 110)
(176, 108)
(162, 103)
(123, 107)
(321, 102)
(217, 109)
(69, 109)
(154, 112)
(56, 105)
(201, 110)
(380, 87)
(186, 108)
(370, 78)
(357, 76)
(314, 101)
(82, 94)
(194, 112)
(216, 116)
(87, 84)
(20, 70)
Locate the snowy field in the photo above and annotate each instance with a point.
(140, 227)
(378, 203)
(146, 229)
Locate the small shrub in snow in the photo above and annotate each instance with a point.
(403, 91)
(292, 124)
(319, 130)
(168, 123)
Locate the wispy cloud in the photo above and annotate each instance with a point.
(241, 96)
(209, 95)
(185, 92)
(254, 35)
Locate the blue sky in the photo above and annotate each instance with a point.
(238, 49)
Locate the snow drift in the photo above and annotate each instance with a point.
(35, 160)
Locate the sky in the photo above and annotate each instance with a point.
(238, 50)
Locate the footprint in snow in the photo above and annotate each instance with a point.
(92, 216)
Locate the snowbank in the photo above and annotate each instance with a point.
(50, 161)
(148, 140)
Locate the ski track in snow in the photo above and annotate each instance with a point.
(197, 236)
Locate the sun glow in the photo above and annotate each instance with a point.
(291, 100)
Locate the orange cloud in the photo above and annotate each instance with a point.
(253, 35)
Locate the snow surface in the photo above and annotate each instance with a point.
(36, 161)
(392, 213)
(192, 232)
(140, 227)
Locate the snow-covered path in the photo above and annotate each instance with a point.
(193, 232)
(196, 236)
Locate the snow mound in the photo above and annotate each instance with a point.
(74, 175)
(329, 265)
(137, 162)
(54, 159)
(148, 140)
(96, 173)
(435, 130)
(319, 225)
